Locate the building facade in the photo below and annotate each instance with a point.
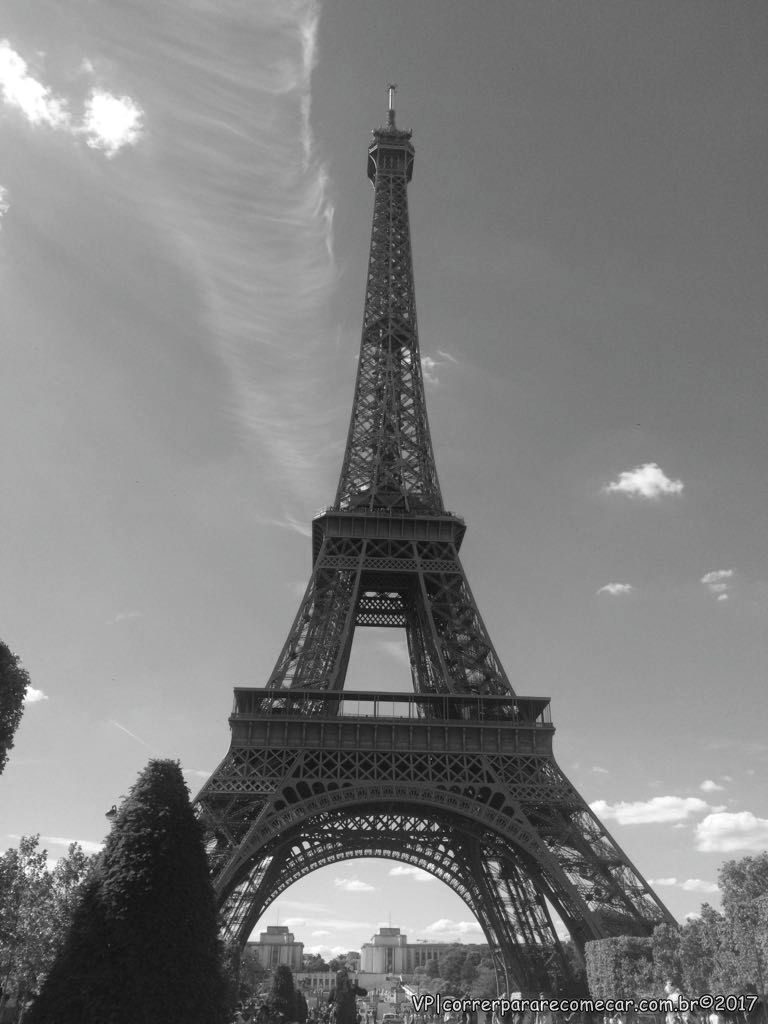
(390, 952)
(277, 946)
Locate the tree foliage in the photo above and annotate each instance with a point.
(143, 945)
(314, 962)
(13, 688)
(36, 908)
(620, 967)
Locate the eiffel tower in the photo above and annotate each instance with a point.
(457, 777)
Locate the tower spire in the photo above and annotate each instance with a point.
(389, 462)
(392, 88)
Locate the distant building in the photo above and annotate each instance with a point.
(389, 952)
(277, 946)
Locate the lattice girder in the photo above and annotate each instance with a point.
(389, 462)
(418, 585)
(451, 849)
(542, 844)
(459, 777)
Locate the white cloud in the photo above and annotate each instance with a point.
(698, 885)
(111, 122)
(662, 881)
(710, 786)
(616, 588)
(4, 207)
(33, 696)
(352, 885)
(717, 575)
(658, 809)
(198, 773)
(395, 649)
(598, 770)
(326, 952)
(25, 94)
(303, 905)
(124, 617)
(428, 367)
(646, 481)
(319, 933)
(717, 582)
(87, 845)
(447, 929)
(692, 916)
(405, 871)
(333, 924)
(108, 124)
(724, 832)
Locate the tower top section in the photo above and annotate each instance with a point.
(391, 150)
(389, 463)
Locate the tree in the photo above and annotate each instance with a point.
(468, 971)
(314, 962)
(620, 967)
(484, 984)
(26, 929)
(667, 963)
(281, 1001)
(451, 962)
(252, 972)
(13, 688)
(432, 968)
(744, 884)
(143, 945)
(36, 907)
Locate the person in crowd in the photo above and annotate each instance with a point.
(342, 998)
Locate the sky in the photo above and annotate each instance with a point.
(183, 244)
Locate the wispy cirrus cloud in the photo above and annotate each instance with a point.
(261, 244)
(659, 809)
(4, 204)
(616, 589)
(725, 832)
(87, 845)
(128, 732)
(647, 481)
(108, 122)
(331, 924)
(396, 649)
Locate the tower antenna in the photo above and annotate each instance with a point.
(392, 89)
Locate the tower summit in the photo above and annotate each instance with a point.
(458, 777)
(389, 462)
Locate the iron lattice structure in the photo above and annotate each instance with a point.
(459, 777)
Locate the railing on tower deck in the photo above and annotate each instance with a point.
(395, 513)
(461, 709)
